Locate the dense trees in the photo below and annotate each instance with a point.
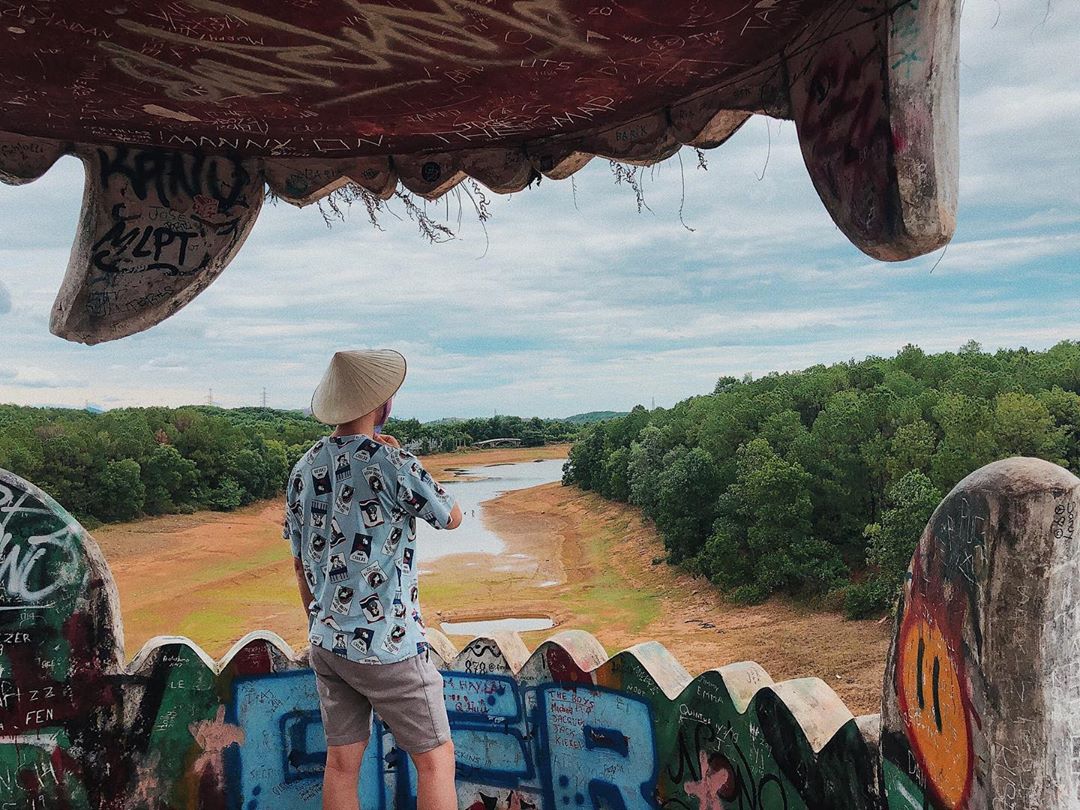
(132, 461)
(821, 481)
(124, 463)
(448, 434)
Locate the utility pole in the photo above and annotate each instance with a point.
(264, 398)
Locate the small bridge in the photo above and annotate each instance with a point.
(497, 443)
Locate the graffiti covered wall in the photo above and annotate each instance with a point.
(59, 653)
(978, 697)
(982, 689)
(370, 77)
(575, 729)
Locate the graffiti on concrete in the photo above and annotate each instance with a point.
(58, 654)
(182, 116)
(979, 700)
(981, 692)
(156, 229)
(25, 159)
(877, 141)
(564, 726)
(371, 77)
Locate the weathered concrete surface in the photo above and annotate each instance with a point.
(429, 92)
(156, 229)
(981, 705)
(60, 649)
(341, 79)
(23, 160)
(876, 106)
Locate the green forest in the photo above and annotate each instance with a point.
(124, 463)
(818, 483)
(448, 434)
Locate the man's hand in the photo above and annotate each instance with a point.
(386, 438)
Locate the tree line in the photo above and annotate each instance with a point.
(819, 482)
(128, 462)
(124, 463)
(448, 434)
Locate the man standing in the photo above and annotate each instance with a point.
(351, 509)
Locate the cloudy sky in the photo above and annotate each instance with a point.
(574, 301)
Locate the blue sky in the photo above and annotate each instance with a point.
(568, 306)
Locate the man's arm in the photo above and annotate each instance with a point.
(301, 581)
(291, 532)
(455, 513)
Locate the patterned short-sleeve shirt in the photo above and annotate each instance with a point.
(350, 515)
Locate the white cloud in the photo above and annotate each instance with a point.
(166, 364)
(36, 377)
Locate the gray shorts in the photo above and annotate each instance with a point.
(408, 695)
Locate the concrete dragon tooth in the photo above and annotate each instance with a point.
(156, 228)
(23, 159)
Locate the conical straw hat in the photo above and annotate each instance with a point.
(356, 383)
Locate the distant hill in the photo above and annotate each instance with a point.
(593, 416)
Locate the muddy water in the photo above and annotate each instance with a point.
(472, 536)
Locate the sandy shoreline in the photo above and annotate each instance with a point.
(570, 555)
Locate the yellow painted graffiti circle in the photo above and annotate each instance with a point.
(934, 711)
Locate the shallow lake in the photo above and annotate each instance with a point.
(472, 536)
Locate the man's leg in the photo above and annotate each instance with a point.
(346, 716)
(435, 778)
(342, 775)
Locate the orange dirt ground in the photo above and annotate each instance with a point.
(587, 564)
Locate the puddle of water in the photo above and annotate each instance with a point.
(488, 626)
(472, 536)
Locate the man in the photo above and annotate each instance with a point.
(351, 509)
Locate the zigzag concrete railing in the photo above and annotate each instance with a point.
(979, 701)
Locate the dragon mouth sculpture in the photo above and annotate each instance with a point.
(183, 113)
